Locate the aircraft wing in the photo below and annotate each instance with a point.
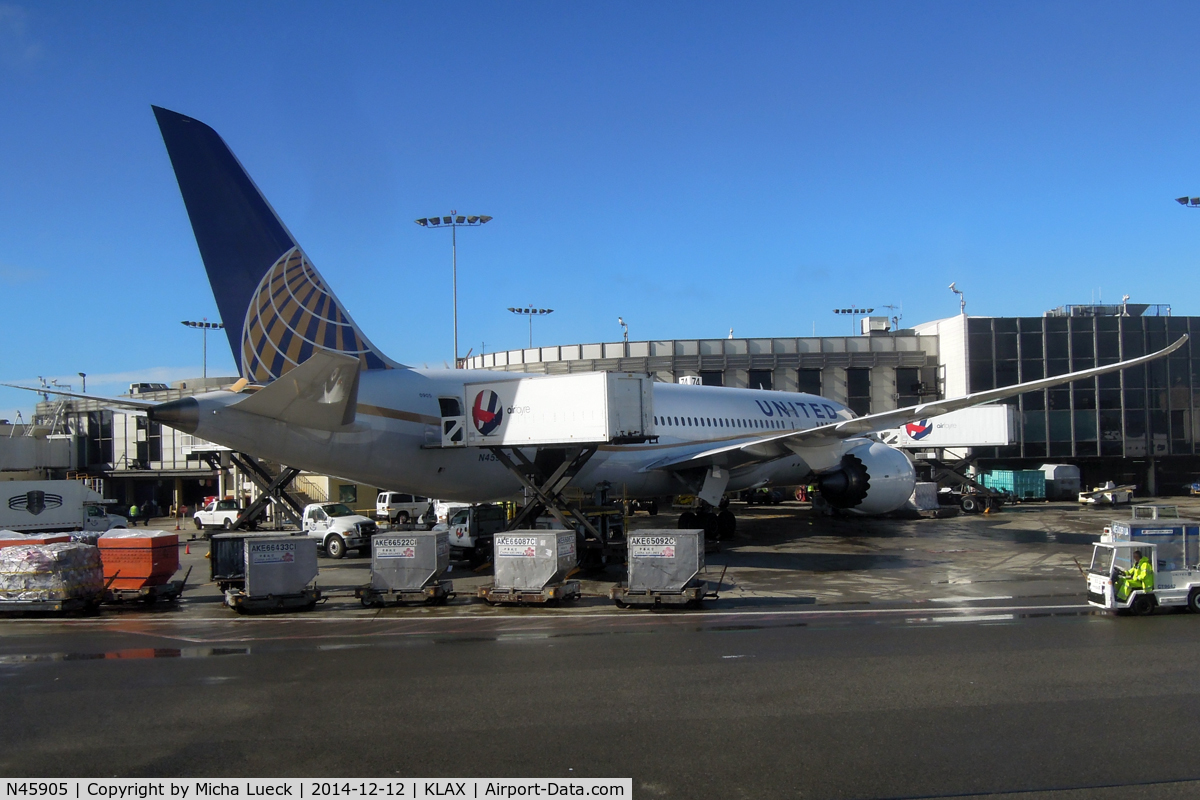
(768, 448)
(119, 402)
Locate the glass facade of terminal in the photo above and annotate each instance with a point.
(1144, 411)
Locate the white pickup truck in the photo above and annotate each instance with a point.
(338, 529)
(217, 514)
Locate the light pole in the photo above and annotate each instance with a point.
(1188, 202)
(83, 377)
(531, 312)
(205, 326)
(454, 222)
(852, 313)
(962, 300)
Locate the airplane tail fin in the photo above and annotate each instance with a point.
(276, 307)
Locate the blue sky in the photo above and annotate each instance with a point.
(692, 167)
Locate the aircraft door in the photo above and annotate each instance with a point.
(453, 422)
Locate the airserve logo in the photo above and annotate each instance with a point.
(918, 430)
(487, 412)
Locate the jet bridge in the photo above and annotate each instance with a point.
(563, 419)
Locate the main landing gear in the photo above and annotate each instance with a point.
(718, 524)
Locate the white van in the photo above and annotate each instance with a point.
(398, 508)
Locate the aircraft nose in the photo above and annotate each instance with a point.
(182, 414)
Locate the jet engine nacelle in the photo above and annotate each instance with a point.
(872, 479)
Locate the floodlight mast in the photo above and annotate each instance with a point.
(1188, 202)
(205, 326)
(454, 222)
(531, 312)
(851, 312)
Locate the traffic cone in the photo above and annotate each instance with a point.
(187, 548)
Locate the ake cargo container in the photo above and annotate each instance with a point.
(665, 560)
(408, 562)
(227, 557)
(279, 565)
(532, 560)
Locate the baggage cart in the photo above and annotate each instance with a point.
(60, 577)
(227, 558)
(407, 567)
(239, 601)
(533, 567)
(664, 569)
(548, 595)
(277, 573)
(135, 561)
(168, 592)
(84, 605)
(434, 594)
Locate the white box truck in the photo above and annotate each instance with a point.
(585, 408)
(46, 506)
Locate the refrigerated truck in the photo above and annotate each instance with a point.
(46, 506)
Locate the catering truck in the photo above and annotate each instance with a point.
(583, 408)
(45, 506)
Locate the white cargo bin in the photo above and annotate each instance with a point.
(532, 560)
(665, 560)
(279, 565)
(1062, 481)
(408, 562)
(587, 408)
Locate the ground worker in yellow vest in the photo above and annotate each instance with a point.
(1139, 576)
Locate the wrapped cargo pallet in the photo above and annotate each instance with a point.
(52, 572)
(12, 538)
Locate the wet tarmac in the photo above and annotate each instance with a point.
(844, 658)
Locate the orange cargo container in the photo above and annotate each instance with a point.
(50, 539)
(140, 560)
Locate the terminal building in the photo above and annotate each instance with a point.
(1136, 426)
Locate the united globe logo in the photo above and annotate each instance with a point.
(488, 412)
